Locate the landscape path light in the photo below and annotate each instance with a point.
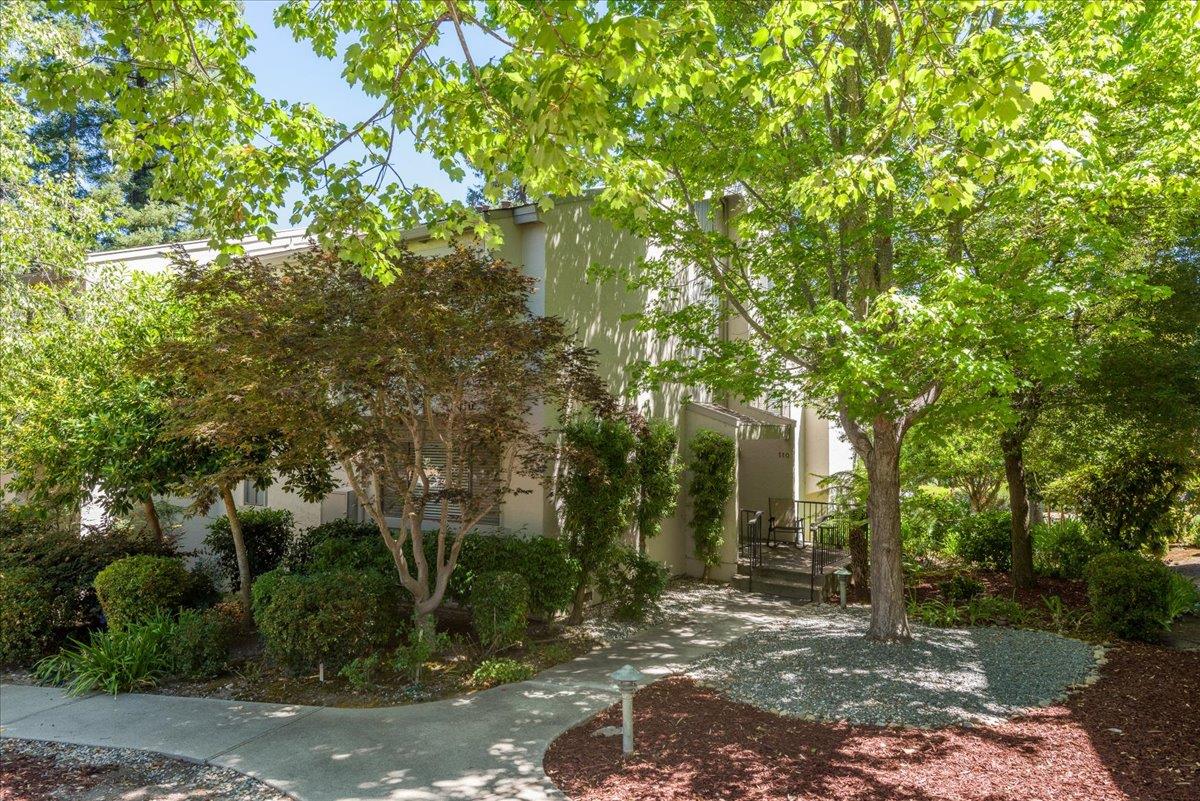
(843, 577)
(627, 678)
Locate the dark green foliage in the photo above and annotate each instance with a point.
(27, 615)
(991, 609)
(137, 587)
(634, 583)
(985, 539)
(334, 541)
(599, 490)
(360, 672)
(263, 589)
(68, 563)
(499, 608)
(714, 457)
(202, 591)
(328, 617)
(1127, 499)
(268, 533)
(1064, 548)
(544, 563)
(658, 471)
(198, 645)
(961, 587)
(1129, 595)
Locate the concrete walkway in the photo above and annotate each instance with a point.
(487, 746)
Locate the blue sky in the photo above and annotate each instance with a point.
(289, 70)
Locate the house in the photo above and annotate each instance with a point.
(782, 452)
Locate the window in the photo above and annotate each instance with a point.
(252, 495)
(435, 468)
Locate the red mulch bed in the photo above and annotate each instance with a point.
(1072, 593)
(1133, 736)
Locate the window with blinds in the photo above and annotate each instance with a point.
(252, 495)
(434, 455)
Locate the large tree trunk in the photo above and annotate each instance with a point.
(239, 548)
(1018, 503)
(889, 623)
(152, 518)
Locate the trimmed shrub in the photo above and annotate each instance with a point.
(1129, 595)
(328, 617)
(634, 583)
(68, 563)
(138, 586)
(544, 563)
(713, 463)
(322, 547)
(985, 539)
(262, 590)
(499, 608)
(267, 532)
(501, 671)
(28, 613)
(201, 591)
(198, 644)
(992, 609)
(1064, 548)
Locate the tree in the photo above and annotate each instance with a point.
(419, 389)
(852, 150)
(79, 414)
(961, 455)
(599, 493)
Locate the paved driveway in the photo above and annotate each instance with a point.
(486, 746)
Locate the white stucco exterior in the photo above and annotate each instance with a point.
(780, 455)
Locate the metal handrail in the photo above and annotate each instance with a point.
(750, 538)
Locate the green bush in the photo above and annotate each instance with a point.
(27, 615)
(991, 609)
(361, 672)
(634, 583)
(1129, 595)
(68, 563)
(328, 617)
(116, 660)
(499, 608)
(1064, 548)
(501, 671)
(985, 539)
(338, 544)
(713, 462)
(262, 590)
(420, 645)
(201, 591)
(960, 587)
(198, 644)
(543, 562)
(267, 532)
(138, 586)
(933, 612)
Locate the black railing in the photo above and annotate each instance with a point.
(828, 535)
(750, 540)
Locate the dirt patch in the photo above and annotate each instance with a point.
(1072, 593)
(1129, 737)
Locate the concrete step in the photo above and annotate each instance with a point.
(767, 586)
(791, 574)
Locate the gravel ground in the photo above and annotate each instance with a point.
(821, 667)
(33, 770)
(682, 601)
